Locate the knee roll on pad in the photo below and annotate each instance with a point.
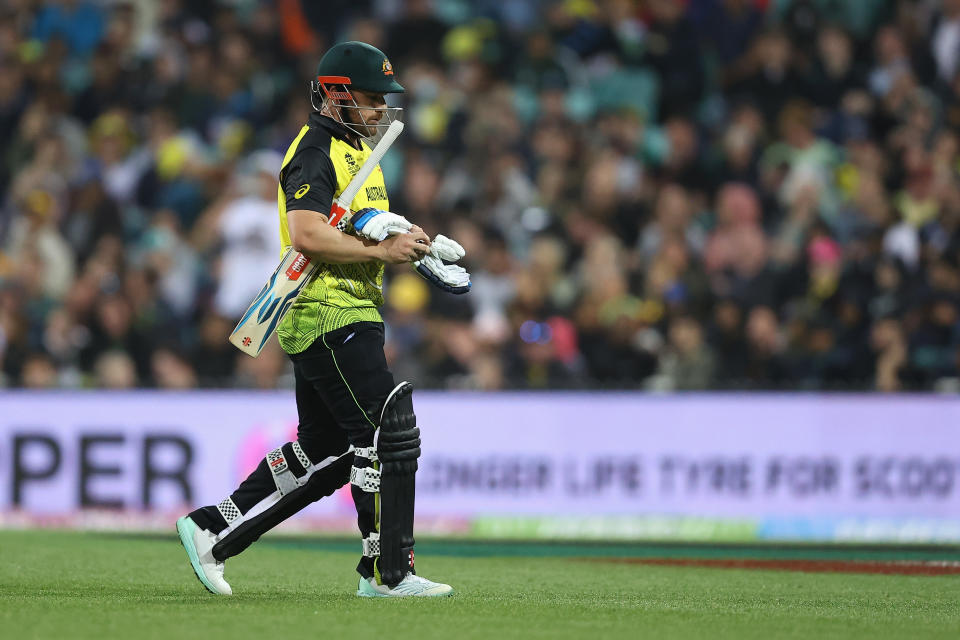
(396, 443)
(398, 439)
(400, 446)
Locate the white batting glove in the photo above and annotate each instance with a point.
(377, 224)
(446, 249)
(451, 278)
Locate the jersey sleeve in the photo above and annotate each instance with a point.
(309, 181)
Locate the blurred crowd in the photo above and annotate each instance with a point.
(656, 194)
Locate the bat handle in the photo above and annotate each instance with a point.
(336, 214)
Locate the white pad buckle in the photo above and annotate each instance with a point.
(228, 509)
(367, 478)
(370, 453)
(371, 545)
(301, 456)
(282, 475)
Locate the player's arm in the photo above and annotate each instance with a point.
(308, 184)
(311, 235)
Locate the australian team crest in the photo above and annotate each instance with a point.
(387, 68)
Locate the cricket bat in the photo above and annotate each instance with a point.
(295, 269)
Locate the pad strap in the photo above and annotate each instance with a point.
(228, 509)
(282, 475)
(371, 545)
(301, 456)
(370, 453)
(367, 478)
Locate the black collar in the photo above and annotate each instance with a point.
(333, 127)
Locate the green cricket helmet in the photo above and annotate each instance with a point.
(364, 66)
(353, 65)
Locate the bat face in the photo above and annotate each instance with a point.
(271, 304)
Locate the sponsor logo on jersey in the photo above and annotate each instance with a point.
(352, 165)
(376, 192)
(387, 68)
(302, 191)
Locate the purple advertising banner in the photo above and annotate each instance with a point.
(750, 458)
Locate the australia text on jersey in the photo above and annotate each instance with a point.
(376, 192)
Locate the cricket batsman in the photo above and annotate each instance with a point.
(356, 424)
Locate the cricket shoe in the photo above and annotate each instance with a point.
(412, 585)
(199, 546)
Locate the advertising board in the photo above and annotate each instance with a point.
(550, 465)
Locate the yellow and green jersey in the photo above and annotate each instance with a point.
(317, 167)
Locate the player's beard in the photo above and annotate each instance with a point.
(353, 118)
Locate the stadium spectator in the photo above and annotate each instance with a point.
(685, 195)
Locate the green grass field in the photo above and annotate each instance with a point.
(86, 585)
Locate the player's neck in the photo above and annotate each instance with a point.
(352, 137)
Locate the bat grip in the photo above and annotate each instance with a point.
(336, 214)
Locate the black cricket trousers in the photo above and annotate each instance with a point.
(342, 381)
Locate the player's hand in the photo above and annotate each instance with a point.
(435, 267)
(406, 247)
(377, 224)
